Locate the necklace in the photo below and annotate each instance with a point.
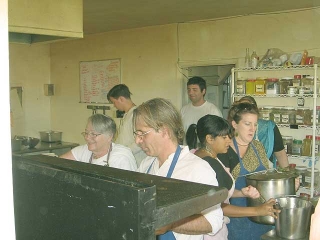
(242, 145)
(206, 149)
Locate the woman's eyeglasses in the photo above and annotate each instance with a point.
(90, 134)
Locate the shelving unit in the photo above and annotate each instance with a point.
(281, 72)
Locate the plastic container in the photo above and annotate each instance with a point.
(250, 86)
(284, 84)
(260, 86)
(292, 90)
(272, 86)
(288, 116)
(266, 113)
(241, 86)
(308, 81)
(303, 116)
(277, 114)
(306, 146)
(308, 177)
(302, 170)
(297, 147)
(287, 143)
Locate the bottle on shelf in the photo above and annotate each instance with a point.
(304, 57)
(247, 60)
(254, 59)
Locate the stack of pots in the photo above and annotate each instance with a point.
(270, 184)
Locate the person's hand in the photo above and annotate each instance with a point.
(296, 183)
(250, 192)
(315, 223)
(267, 209)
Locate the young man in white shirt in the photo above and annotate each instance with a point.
(198, 107)
(119, 95)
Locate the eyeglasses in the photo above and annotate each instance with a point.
(90, 134)
(140, 134)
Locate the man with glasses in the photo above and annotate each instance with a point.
(99, 148)
(159, 132)
(119, 95)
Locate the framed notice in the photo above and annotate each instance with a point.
(97, 78)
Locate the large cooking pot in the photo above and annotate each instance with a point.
(270, 184)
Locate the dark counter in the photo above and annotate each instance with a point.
(45, 146)
(65, 199)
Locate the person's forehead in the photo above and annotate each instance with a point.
(193, 86)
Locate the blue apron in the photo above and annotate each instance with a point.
(169, 235)
(243, 228)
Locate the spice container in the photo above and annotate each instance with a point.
(292, 90)
(266, 113)
(241, 86)
(288, 115)
(250, 86)
(284, 84)
(296, 81)
(308, 177)
(272, 86)
(306, 146)
(302, 170)
(277, 114)
(287, 143)
(296, 147)
(303, 116)
(307, 81)
(260, 86)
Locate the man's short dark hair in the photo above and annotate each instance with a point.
(120, 90)
(198, 81)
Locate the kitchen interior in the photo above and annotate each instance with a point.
(159, 47)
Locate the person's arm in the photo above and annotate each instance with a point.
(265, 209)
(248, 191)
(282, 158)
(315, 223)
(68, 155)
(193, 225)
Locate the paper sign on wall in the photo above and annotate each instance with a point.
(97, 78)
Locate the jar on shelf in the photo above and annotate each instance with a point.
(284, 84)
(288, 116)
(296, 81)
(306, 146)
(241, 86)
(260, 86)
(302, 170)
(265, 112)
(308, 177)
(277, 114)
(303, 116)
(250, 86)
(272, 86)
(308, 82)
(292, 90)
(317, 146)
(296, 147)
(287, 143)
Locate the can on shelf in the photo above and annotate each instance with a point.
(260, 86)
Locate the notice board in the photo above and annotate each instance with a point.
(97, 78)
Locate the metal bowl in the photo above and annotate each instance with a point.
(31, 142)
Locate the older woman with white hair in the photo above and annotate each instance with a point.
(99, 148)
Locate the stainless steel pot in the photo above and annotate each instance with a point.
(50, 136)
(270, 184)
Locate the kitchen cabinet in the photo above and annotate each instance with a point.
(298, 131)
(34, 21)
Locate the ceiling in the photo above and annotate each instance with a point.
(110, 15)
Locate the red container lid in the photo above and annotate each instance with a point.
(318, 138)
(251, 80)
(309, 136)
(273, 79)
(297, 76)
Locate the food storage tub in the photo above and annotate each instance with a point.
(50, 136)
